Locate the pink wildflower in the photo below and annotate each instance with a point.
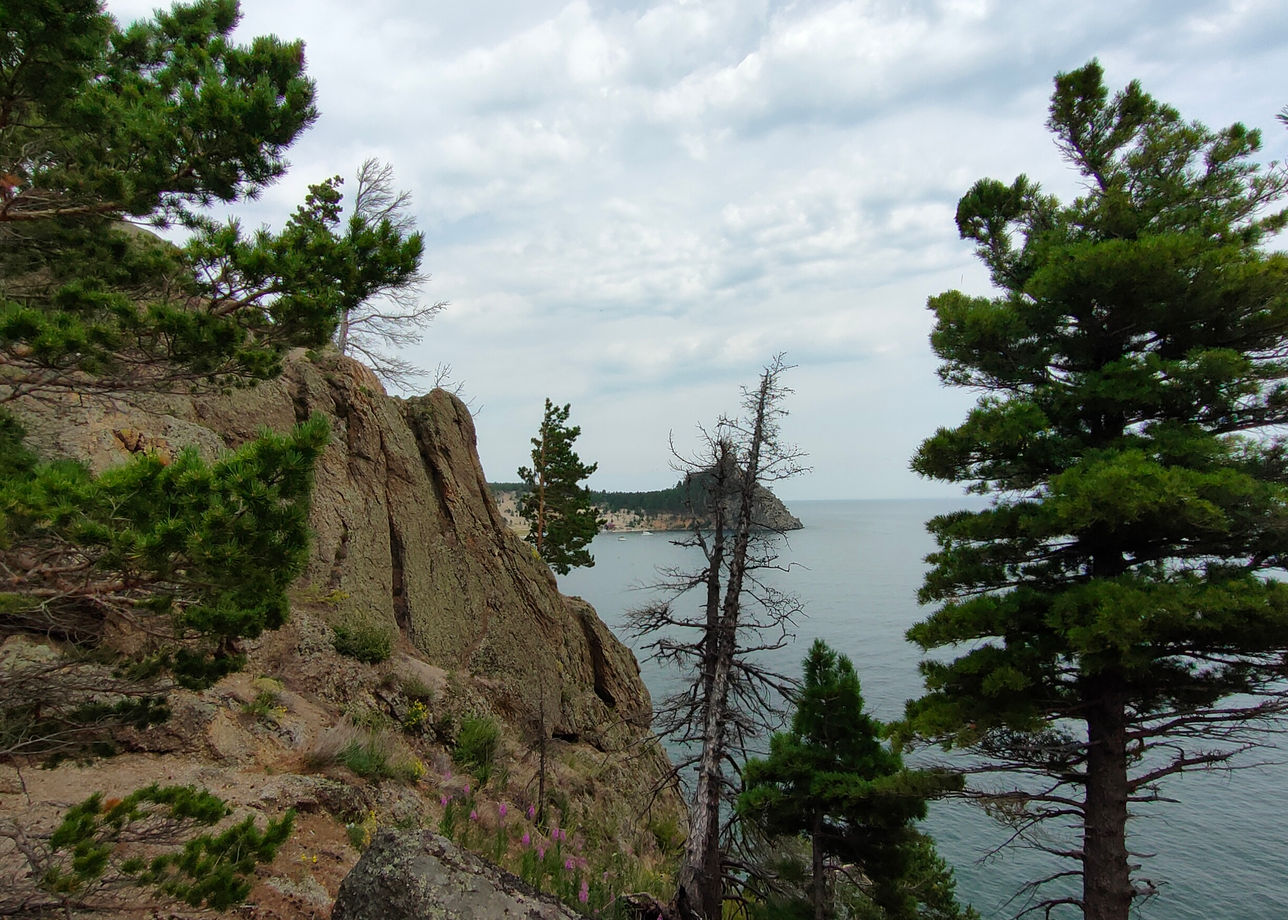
(541, 851)
(527, 840)
(501, 809)
(568, 864)
(532, 812)
(467, 788)
(584, 895)
(474, 815)
(444, 799)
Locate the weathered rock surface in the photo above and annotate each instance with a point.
(414, 875)
(408, 537)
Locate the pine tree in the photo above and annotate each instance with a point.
(833, 780)
(189, 554)
(561, 514)
(106, 848)
(104, 129)
(1116, 604)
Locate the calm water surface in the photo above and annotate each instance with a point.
(857, 566)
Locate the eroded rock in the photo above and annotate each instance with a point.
(413, 875)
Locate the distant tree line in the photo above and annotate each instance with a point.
(657, 501)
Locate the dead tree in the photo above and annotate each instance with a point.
(391, 316)
(730, 697)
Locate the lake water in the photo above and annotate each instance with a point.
(857, 566)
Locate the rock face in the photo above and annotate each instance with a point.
(412, 875)
(407, 536)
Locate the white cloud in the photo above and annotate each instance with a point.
(631, 206)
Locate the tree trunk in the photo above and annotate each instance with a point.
(1106, 881)
(541, 490)
(342, 334)
(820, 878)
(700, 881)
(699, 889)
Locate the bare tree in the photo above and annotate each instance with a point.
(730, 697)
(391, 317)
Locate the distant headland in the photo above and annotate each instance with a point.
(656, 510)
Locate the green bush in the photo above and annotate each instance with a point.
(417, 718)
(96, 849)
(416, 689)
(371, 644)
(369, 757)
(477, 743)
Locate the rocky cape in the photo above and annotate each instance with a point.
(769, 513)
(406, 538)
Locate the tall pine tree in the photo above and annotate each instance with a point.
(561, 514)
(1116, 607)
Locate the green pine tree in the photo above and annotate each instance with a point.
(560, 511)
(832, 779)
(1115, 609)
(104, 129)
(150, 838)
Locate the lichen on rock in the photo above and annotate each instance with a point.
(413, 875)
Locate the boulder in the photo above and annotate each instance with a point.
(416, 875)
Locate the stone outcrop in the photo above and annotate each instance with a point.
(407, 535)
(411, 875)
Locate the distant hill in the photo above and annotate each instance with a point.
(658, 509)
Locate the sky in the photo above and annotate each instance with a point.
(632, 207)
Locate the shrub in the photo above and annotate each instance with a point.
(417, 717)
(147, 840)
(371, 644)
(361, 832)
(369, 756)
(476, 743)
(416, 689)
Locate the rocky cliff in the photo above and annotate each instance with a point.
(408, 541)
(407, 535)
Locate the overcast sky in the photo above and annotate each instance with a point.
(630, 207)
